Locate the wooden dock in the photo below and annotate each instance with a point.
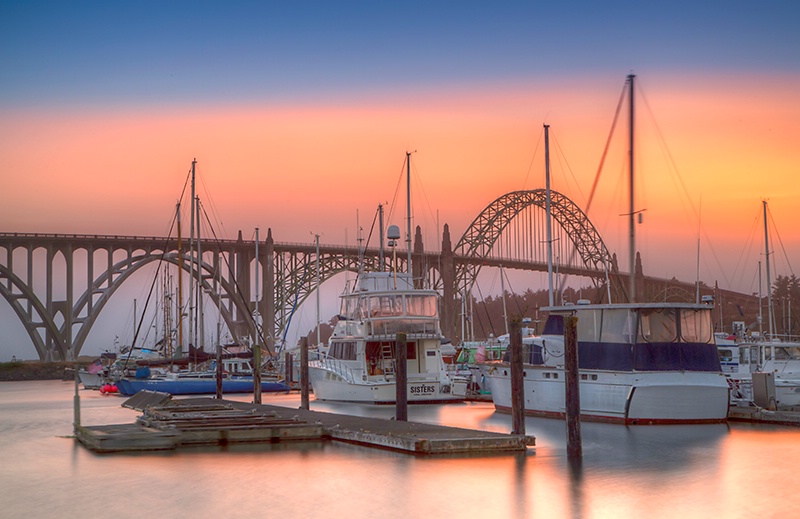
(171, 424)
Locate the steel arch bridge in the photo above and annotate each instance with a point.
(508, 232)
(483, 238)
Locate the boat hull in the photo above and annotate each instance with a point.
(196, 386)
(328, 385)
(618, 397)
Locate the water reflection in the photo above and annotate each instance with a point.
(625, 472)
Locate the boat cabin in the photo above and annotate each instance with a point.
(628, 337)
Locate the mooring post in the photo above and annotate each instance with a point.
(517, 383)
(257, 374)
(76, 421)
(219, 371)
(304, 373)
(288, 368)
(401, 378)
(572, 387)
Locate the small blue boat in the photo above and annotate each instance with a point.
(196, 385)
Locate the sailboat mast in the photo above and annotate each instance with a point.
(191, 261)
(318, 283)
(179, 348)
(201, 335)
(548, 211)
(631, 210)
(408, 208)
(770, 309)
(257, 291)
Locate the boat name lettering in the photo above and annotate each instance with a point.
(422, 389)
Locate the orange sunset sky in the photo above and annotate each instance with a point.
(300, 117)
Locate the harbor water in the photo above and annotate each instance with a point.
(734, 470)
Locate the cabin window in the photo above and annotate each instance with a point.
(611, 326)
(725, 355)
(659, 326)
(343, 350)
(421, 306)
(696, 326)
(385, 306)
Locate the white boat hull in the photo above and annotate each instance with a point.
(328, 385)
(627, 397)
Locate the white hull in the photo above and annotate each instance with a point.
(620, 397)
(91, 380)
(328, 385)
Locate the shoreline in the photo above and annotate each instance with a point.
(21, 370)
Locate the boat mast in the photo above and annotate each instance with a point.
(179, 349)
(380, 234)
(547, 210)
(255, 314)
(770, 309)
(408, 207)
(316, 237)
(631, 215)
(191, 262)
(201, 335)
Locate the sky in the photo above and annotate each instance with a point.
(299, 115)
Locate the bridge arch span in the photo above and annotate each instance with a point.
(485, 230)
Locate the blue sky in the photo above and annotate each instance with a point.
(90, 53)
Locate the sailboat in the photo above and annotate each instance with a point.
(359, 365)
(639, 363)
(754, 360)
(242, 378)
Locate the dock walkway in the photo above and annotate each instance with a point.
(171, 424)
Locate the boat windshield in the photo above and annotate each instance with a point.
(670, 325)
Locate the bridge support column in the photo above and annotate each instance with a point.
(448, 286)
(417, 267)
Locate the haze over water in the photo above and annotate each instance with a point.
(703, 471)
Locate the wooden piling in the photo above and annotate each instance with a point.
(517, 382)
(76, 422)
(304, 404)
(288, 368)
(401, 378)
(257, 374)
(572, 388)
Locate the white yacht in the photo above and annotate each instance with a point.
(359, 365)
(647, 363)
(742, 357)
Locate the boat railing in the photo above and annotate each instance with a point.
(340, 368)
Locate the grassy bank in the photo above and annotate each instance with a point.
(35, 370)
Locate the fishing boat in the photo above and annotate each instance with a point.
(638, 363)
(359, 364)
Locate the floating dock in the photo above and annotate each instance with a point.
(755, 414)
(168, 424)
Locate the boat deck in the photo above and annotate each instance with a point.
(171, 424)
